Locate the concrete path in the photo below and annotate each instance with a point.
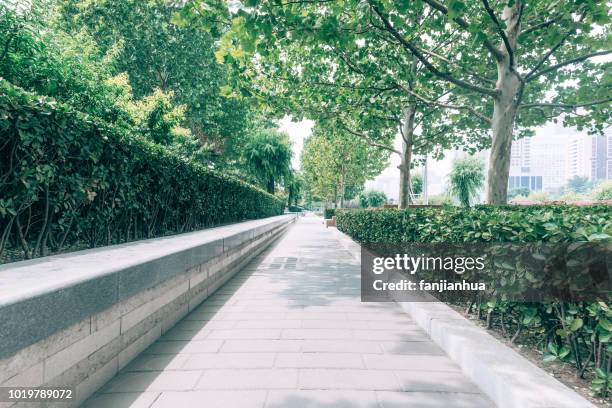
(290, 331)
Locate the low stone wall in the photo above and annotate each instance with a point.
(74, 320)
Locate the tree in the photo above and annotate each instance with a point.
(339, 83)
(336, 165)
(579, 184)
(295, 188)
(511, 65)
(372, 198)
(466, 179)
(268, 154)
(159, 55)
(417, 184)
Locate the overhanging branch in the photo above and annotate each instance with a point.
(565, 63)
(419, 55)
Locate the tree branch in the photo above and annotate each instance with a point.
(467, 70)
(551, 51)
(565, 105)
(448, 106)
(368, 140)
(501, 32)
(564, 63)
(415, 51)
(541, 25)
(464, 24)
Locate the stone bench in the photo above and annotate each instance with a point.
(75, 320)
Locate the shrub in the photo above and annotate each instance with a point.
(328, 213)
(293, 208)
(73, 181)
(518, 191)
(372, 198)
(466, 179)
(576, 333)
(604, 191)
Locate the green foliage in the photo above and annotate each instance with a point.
(466, 179)
(74, 181)
(519, 191)
(329, 213)
(68, 67)
(578, 184)
(361, 65)
(336, 164)
(268, 154)
(440, 199)
(579, 333)
(158, 54)
(604, 191)
(372, 199)
(416, 181)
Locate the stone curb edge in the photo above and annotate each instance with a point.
(506, 377)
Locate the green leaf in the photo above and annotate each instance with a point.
(576, 324)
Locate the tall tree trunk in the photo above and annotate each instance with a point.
(342, 185)
(504, 112)
(405, 189)
(270, 186)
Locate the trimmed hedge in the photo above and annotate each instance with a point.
(549, 223)
(68, 180)
(328, 213)
(578, 333)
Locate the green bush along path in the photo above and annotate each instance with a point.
(72, 181)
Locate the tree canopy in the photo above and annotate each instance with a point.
(492, 70)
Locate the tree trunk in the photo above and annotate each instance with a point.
(270, 186)
(342, 185)
(405, 189)
(504, 113)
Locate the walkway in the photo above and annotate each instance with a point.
(290, 331)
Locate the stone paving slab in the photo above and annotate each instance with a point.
(290, 331)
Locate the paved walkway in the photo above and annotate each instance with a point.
(290, 331)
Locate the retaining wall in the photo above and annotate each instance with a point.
(75, 320)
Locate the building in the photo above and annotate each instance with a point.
(538, 163)
(590, 156)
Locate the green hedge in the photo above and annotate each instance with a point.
(550, 223)
(68, 180)
(578, 333)
(328, 213)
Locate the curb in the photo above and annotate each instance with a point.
(506, 377)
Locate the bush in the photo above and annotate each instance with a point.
(482, 223)
(73, 181)
(372, 198)
(518, 191)
(568, 331)
(293, 208)
(604, 191)
(466, 179)
(328, 213)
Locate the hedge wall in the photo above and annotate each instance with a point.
(70, 181)
(578, 333)
(553, 223)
